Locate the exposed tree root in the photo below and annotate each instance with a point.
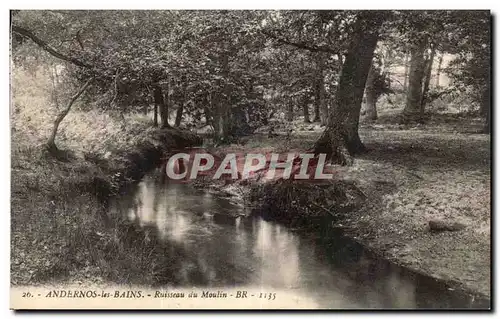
(334, 144)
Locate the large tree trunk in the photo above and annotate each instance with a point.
(317, 117)
(160, 104)
(405, 84)
(206, 102)
(289, 108)
(305, 108)
(340, 138)
(217, 121)
(222, 119)
(320, 106)
(222, 124)
(413, 109)
(180, 109)
(371, 95)
(486, 108)
(428, 76)
(155, 115)
(225, 115)
(51, 145)
(438, 72)
(178, 115)
(387, 66)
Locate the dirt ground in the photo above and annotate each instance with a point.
(411, 175)
(421, 176)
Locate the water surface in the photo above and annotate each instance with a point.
(213, 250)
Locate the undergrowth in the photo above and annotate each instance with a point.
(60, 229)
(305, 204)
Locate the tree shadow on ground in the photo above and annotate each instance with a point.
(434, 152)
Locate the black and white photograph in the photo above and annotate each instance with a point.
(250, 159)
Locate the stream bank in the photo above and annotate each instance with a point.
(407, 178)
(59, 227)
(70, 237)
(210, 241)
(350, 209)
(347, 211)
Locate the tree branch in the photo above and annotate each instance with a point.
(44, 45)
(300, 45)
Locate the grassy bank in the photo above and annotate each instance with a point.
(59, 227)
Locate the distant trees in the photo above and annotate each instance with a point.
(51, 145)
(418, 30)
(236, 69)
(320, 104)
(469, 39)
(465, 35)
(413, 106)
(377, 84)
(428, 74)
(166, 56)
(320, 37)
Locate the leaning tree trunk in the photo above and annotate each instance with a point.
(51, 145)
(413, 110)
(428, 76)
(371, 95)
(340, 138)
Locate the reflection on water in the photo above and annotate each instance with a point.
(213, 250)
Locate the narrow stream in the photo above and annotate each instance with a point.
(327, 269)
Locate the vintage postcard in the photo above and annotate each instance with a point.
(250, 159)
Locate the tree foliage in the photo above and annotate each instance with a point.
(234, 70)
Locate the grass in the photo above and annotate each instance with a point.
(60, 228)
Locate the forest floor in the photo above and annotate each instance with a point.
(60, 230)
(412, 175)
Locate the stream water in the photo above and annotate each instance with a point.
(327, 269)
